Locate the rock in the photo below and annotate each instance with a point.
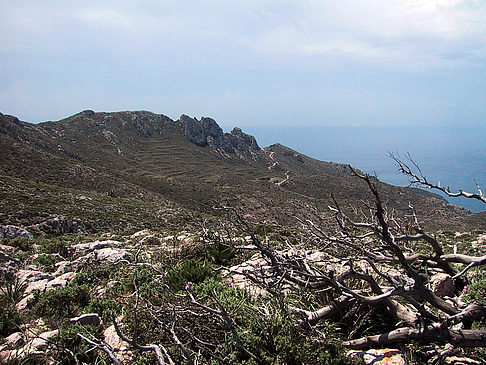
(110, 255)
(8, 265)
(96, 245)
(59, 225)
(63, 267)
(143, 232)
(120, 347)
(102, 256)
(25, 303)
(37, 346)
(91, 319)
(380, 357)
(193, 131)
(7, 249)
(87, 113)
(14, 340)
(63, 225)
(442, 285)
(39, 285)
(61, 281)
(41, 342)
(207, 132)
(37, 280)
(14, 232)
(29, 276)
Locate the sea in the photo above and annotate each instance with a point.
(453, 156)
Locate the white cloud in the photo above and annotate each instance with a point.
(105, 16)
(413, 31)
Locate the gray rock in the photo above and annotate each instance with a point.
(96, 245)
(29, 276)
(104, 256)
(8, 265)
(25, 303)
(38, 345)
(207, 132)
(39, 285)
(455, 360)
(59, 225)
(14, 232)
(41, 342)
(61, 281)
(109, 255)
(193, 131)
(119, 346)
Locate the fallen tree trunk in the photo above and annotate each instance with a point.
(434, 334)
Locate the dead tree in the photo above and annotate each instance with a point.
(378, 260)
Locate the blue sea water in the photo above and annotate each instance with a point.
(454, 156)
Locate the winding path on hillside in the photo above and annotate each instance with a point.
(275, 163)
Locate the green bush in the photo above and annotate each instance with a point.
(221, 254)
(9, 320)
(63, 302)
(190, 271)
(21, 243)
(46, 262)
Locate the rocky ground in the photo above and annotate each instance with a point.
(63, 295)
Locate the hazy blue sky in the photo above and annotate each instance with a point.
(261, 62)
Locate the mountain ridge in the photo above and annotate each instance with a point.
(190, 162)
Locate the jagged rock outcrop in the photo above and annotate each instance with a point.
(206, 132)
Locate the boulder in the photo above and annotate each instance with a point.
(109, 255)
(59, 225)
(27, 276)
(36, 346)
(442, 285)
(14, 232)
(39, 285)
(101, 257)
(141, 233)
(25, 303)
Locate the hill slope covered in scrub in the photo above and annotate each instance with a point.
(186, 163)
(131, 238)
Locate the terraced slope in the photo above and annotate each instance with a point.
(189, 163)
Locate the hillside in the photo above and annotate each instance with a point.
(119, 244)
(186, 164)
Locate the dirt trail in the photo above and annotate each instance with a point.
(275, 163)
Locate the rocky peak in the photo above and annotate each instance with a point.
(10, 125)
(206, 132)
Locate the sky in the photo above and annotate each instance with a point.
(248, 62)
